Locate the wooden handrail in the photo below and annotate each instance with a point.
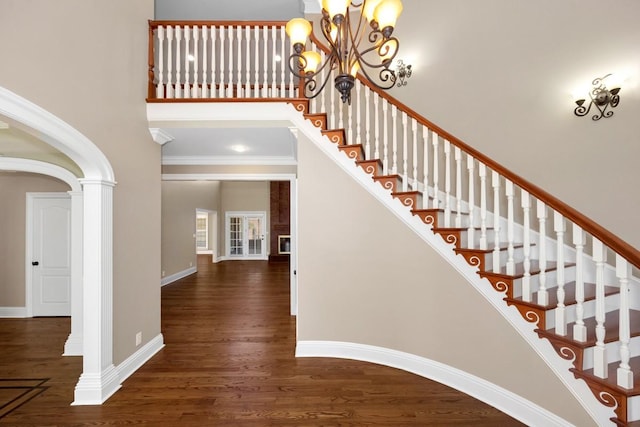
(155, 24)
(612, 241)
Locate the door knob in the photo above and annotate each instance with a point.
(35, 263)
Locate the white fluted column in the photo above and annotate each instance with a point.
(99, 378)
(73, 345)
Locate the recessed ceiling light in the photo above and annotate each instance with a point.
(239, 148)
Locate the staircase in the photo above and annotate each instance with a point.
(545, 259)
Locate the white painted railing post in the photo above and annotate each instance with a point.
(214, 90)
(495, 182)
(205, 87)
(526, 242)
(265, 61)
(195, 89)
(472, 202)
(256, 72)
(247, 75)
(482, 173)
(559, 228)
(579, 328)
(160, 68)
(170, 88)
(600, 368)
(229, 92)
(178, 89)
(543, 292)
(222, 84)
(186, 92)
(509, 192)
(624, 374)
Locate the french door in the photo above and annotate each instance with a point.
(245, 235)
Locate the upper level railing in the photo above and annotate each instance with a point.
(496, 207)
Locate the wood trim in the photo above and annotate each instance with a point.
(151, 87)
(612, 241)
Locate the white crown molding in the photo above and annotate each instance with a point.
(228, 177)
(160, 136)
(489, 393)
(177, 276)
(228, 160)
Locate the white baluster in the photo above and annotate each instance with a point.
(600, 368)
(559, 228)
(414, 132)
(160, 64)
(170, 88)
(223, 82)
(472, 202)
(178, 90)
(239, 87)
(195, 90)
(358, 124)
(425, 166)
(230, 91)
(376, 119)
(247, 65)
(579, 328)
(457, 155)
(256, 78)
(447, 183)
(385, 136)
(435, 139)
(205, 86)
(293, 91)
(623, 271)
(526, 248)
(274, 80)
(543, 292)
(482, 173)
(186, 92)
(405, 153)
(495, 182)
(283, 92)
(333, 108)
(214, 90)
(265, 46)
(350, 126)
(340, 114)
(511, 265)
(323, 100)
(394, 134)
(367, 121)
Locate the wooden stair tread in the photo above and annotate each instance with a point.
(435, 210)
(519, 270)
(394, 176)
(569, 298)
(634, 362)
(611, 321)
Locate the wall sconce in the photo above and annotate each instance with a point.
(601, 97)
(403, 72)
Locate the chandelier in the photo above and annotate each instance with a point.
(344, 27)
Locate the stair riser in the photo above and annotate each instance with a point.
(613, 352)
(550, 283)
(633, 408)
(589, 308)
(411, 202)
(486, 260)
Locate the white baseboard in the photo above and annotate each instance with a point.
(73, 345)
(510, 403)
(13, 312)
(177, 276)
(140, 357)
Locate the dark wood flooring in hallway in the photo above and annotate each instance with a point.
(229, 361)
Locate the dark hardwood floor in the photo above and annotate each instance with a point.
(229, 360)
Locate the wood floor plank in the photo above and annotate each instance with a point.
(229, 361)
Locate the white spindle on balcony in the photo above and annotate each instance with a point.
(213, 90)
(600, 352)
(186, 91)
(526, 242)
(159, 74)
(195, 89)
(221, 85)
(256, 71)
(274, 64)
(559, 228)
(170, 88)
(247, 71)
(283, 60)
(230, 37)
(178, 88)
(205, 37)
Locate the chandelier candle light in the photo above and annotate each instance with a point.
(350, 52)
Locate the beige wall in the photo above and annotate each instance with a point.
(365, 278)
(86, 62)
(242, 196)
(13, 189)
(499, 75)
(180, 199)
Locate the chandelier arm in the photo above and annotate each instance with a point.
(310, 86)
(386, 46)
(385, 75)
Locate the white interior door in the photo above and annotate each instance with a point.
(51, 255)
(245, 233)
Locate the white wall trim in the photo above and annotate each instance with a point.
(13, 312)
(140, 357)
(229, 160)
(177, 276)
(228, 177)
(43, 168)
(510, 403)
(160, 136)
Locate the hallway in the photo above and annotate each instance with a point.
(228, 360)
